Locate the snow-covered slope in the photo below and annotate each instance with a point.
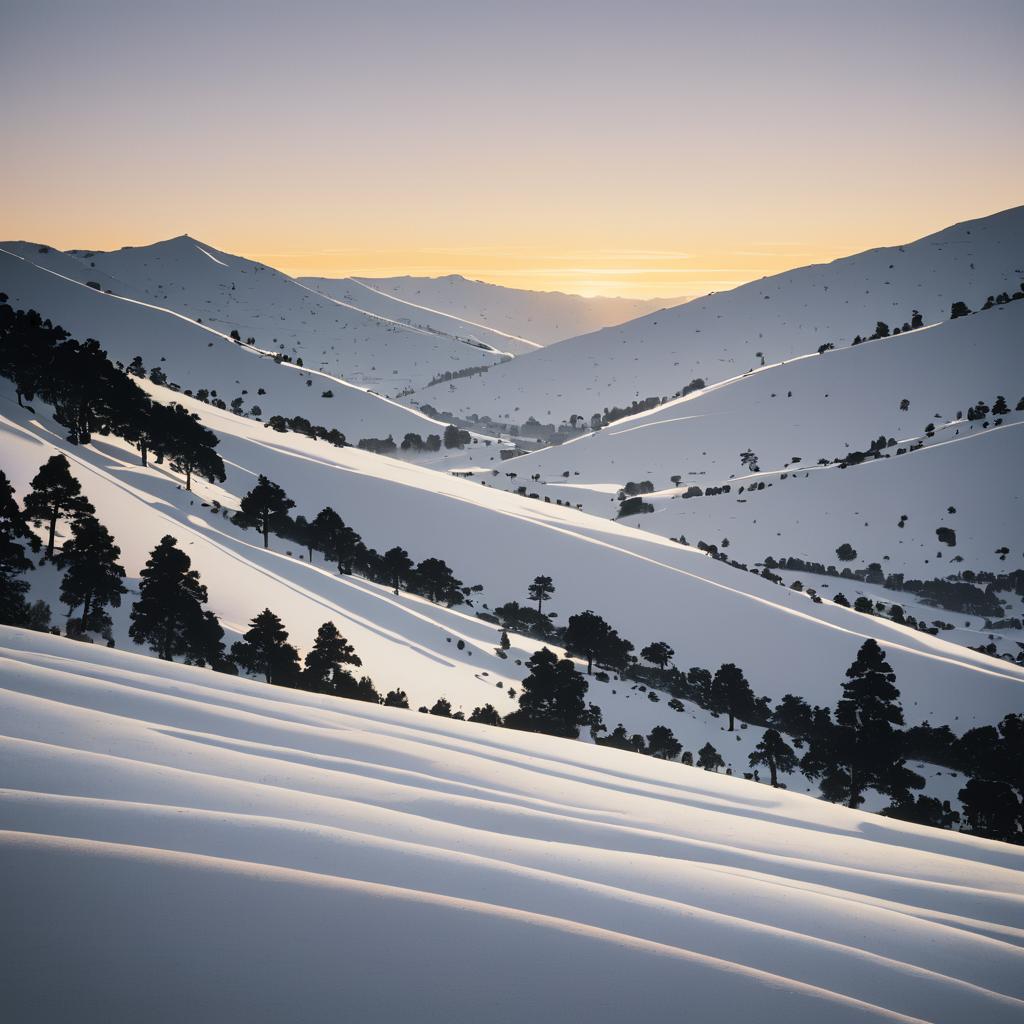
(648, 587)
(720, 336)
(185, 845)
(199, 355)
(822, 407)
(512, 319)
(230, 293)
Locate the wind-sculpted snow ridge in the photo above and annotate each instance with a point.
(179, 844)
(722, 335)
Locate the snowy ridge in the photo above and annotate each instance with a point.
(725, 334)
(186, 827)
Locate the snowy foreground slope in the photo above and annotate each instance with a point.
(185, 845)
(823, 407)
(722, 335)
(200, 355)
(512, 319)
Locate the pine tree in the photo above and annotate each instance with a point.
(587, 635)
(709, 759)
(775, 754)
(435, 580)
(551, 698)
(93, 577)
(13, 561)
(863, 748)
(338, 542)
(487, 715)
(396, 699)
(658, 654)
(168, 616)
(264, 649)
(330, 651)
(265, 507)
(397, 567)
(55, 495)
(661, 743)
(540, 590)
(731, 693)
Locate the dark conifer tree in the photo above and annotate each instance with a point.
(397, 567)
(487, 715)
(551, 697)
(55, 495)
(92, 574)
(338, 542)
(435, 580)
(709, 759)
(168, 616)
(991, 808)
(863, 748)
(731, 693)
(396, 699)
(264, 507)
(658, 654)
(540, 590)
(775, 754)
(13, 560)
(661, 743)
(264, 650)
(329, 653)
(588, 636)
(190, 446)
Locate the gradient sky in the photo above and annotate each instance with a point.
(632, 148)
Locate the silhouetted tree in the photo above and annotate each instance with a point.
(540, 590)
(264, 649)
(959, 309)
(658, 654)
(13, 560)
(588, 636)
(396, 699)
(168, 616)
(330, 651)
(731, 693)
(709, 759)
(436, 581)
(662, 743)
(397, 567)
(863, 749)
(92, 577)
(551, 697)
(55, 495)
(775, 754)
(265, 507)
(487, 715)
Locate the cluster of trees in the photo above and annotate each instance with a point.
(93, 576)
(266, 508)
(90, 395)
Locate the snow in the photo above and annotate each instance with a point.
(512, 319)
(823, 407)
(215, 848)
(718, 337)
(647, 586)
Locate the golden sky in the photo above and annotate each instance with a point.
(642, 149)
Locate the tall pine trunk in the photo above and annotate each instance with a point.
(53, 533)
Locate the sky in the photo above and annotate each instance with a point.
(635, 148)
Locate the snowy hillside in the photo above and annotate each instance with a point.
(722, 335)
(512, 319)
(774, 426)
(202, 355)
(229, 293)
(648, 587)
(184, 828)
